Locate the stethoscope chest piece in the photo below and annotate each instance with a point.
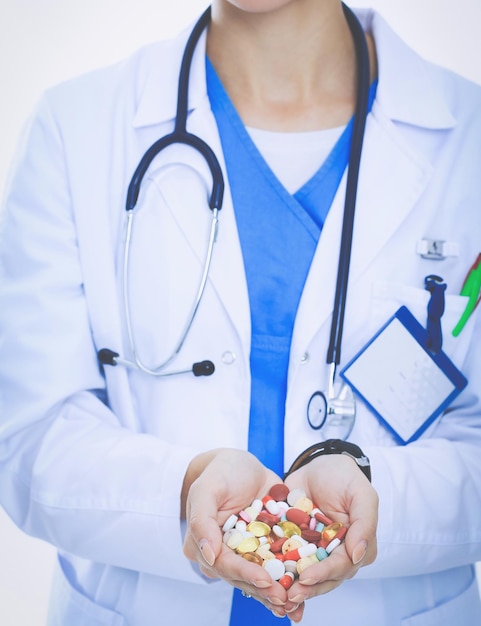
(334, 411)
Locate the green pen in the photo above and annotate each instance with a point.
(471, 288)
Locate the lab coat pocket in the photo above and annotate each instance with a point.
(463, 610)
(389, 296)
(68, 606)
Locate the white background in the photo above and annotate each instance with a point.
(43, 42)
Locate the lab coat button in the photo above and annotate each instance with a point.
(305, 358)
(228, 358)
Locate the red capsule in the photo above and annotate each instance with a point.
(279, 492)
(276, 546)
(297, 516)
(292, 555)
(323, 518)
(311, 536)
(268, 518)
(298, 553)
(287, 580)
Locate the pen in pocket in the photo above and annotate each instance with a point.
(471, 288)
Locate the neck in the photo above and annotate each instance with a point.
(290, 69)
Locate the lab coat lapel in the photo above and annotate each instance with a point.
(393, 173)
(227, 274)
(391, 180)
(156, 109)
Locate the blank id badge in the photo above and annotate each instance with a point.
(403, 383)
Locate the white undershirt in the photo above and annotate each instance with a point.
(295, 157)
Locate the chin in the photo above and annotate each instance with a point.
(259, 6)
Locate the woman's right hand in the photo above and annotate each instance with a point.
(217, 484)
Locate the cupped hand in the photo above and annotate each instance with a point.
(344, 494)
(219, 483)
(223, 482)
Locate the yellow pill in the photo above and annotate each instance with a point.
(234, 538)
(329, 532)
(248, 544)
(290, 528)
(253, 557)
(305, 562)
(263, 550)
(304, 504)
(252, 512)
(259, 529)
(292, 543)
(267, 555)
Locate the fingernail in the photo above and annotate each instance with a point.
(308, 581)
(276, 614)
(276, 601)
(359, 552)
(298, 599)
(261, 584)
(294, 608)
(207, 552)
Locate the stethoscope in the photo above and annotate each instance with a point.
(333, 409)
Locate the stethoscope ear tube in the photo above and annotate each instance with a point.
(330, 411)
(180, 134)
(362, 101)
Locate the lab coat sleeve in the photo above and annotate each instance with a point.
(430, 490)
(70, 473)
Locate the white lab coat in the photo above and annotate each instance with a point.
(95, 464)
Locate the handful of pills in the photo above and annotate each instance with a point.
(285, 532)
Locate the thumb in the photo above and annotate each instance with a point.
(202, 525)
(360, 539)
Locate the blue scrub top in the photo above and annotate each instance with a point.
(278, 234)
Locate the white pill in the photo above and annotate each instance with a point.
(332, 545)
(294, 496)
(278, 532)
(241, 525)
(275, 568)
(257, 505)
(230, 523)
(273, 507)
(307, 549)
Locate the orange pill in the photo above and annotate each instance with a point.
(287, 580)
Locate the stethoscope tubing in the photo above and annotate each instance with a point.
(158, 370)
(321, 403)
(182, 136)
(180, 133)
(362, 99)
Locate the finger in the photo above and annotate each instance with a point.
(202, 524)
(296, 612)
(322, 577)
(360, 540)
(241, 573)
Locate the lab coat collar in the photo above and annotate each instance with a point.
(158, 92)
(408, 91)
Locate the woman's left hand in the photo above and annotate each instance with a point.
(336, 484)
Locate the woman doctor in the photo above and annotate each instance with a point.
(127, 473)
